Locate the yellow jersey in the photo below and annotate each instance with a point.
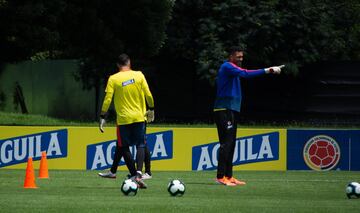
(130, 91)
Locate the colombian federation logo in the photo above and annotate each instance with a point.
(321, 153)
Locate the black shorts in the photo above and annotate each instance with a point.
(131, 134)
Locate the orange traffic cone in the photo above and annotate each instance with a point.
(30, 176)
(43, 171)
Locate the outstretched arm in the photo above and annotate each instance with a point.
(233, 69)
(236, 70)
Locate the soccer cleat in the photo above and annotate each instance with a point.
(235, 181)
(141, 184)
(225, 181)
(108, 174)
(146, 176)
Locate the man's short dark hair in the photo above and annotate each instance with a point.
(123, 59)
(234, 49)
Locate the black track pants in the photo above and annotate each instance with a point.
(226, 126)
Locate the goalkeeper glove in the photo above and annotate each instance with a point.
(275, 70)
(102, 122)
(150, 115)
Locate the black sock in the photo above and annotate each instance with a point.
(140, 155)
(147, 160)
(130, 163)
(117, 158)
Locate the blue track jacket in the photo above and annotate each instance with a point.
(228, 94)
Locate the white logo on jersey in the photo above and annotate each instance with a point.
(128, 82)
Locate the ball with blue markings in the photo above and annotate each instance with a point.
(353, 190)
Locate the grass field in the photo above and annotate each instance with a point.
(18, 119)
(84, 191)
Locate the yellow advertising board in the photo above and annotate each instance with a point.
(180, 149)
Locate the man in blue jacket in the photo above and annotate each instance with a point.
(227, 107)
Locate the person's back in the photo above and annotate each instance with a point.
(130, 89)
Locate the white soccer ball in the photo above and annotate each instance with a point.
(129, 187)
(176, 188)
(353, 190)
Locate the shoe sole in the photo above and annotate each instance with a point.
(107, 176)
(141, 184)
(240, 184)
(146, 178)
(225, 184)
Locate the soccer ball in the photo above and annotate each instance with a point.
(176, 188)
(353, 190)
(129, 187)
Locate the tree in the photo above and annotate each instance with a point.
(29, 29)
(92, 31)
(96, 32)
(274, 32)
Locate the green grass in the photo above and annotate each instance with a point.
(18, 119)
(84, 191)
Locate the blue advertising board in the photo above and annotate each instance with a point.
(354, 150)
(17, 150)
(100, 155)
(251, 149)
(323, 150)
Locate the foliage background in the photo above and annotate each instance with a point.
(180, 44)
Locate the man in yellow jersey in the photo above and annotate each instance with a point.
(131, 95)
